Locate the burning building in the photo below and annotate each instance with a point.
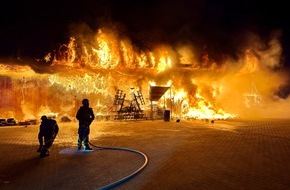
(96, 66)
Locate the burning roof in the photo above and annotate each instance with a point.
(95, 66)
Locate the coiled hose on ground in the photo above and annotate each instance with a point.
(114, 184)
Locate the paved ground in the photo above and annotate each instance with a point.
(224, 155)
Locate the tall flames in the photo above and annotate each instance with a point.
(95, 67)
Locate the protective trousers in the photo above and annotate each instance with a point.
(44, 148)
(83, 136)
(48, 141)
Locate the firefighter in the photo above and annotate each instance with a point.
(48, 130)
(85, 116)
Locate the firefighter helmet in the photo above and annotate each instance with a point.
(85, 101)
(43, 117)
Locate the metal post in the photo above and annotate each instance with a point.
(164, 102)
(151, 113)
(170, 104)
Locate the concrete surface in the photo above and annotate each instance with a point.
(195, 155)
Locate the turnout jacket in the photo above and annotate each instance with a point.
(48, 128)
(85, 115)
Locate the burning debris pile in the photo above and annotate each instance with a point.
(132, 110)
(97, 66)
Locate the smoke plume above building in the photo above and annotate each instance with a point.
(220, 59)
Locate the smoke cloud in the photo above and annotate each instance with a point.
(212, 50)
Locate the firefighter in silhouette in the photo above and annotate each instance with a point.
(48, 130)
(85, 116)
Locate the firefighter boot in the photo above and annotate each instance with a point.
(44, 152)
(39, 149)
(87, 147)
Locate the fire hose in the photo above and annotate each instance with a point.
(114, 184)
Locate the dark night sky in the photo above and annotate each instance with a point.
(33, 28)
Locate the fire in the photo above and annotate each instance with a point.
(200, 108)
(187, 55)
(251, 63)
(153, 83)
(15, 70)
(106, 53)
(78, 83)
(109, 52)
(96, 67)
(67, 54)
(164, 63)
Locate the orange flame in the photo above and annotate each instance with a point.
(95, 68)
